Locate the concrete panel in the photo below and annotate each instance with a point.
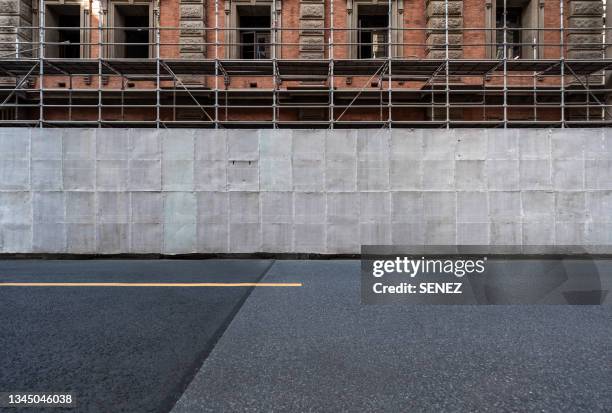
(372, 174)
(80, 238)
(46, 144)
(177, 175)
(375, 233)
(475, 233)
(15, 208)
(471, 144)
(534, 144)
(243, 145)
(144, 144)
(15, 238)
(343, 238)
(146, 238)
(277, 237)
(598, 174)
(79, 144)
(144, 175)
(112, 144)
(113, 207)
(440, 206)
(374, 207)
(112, 175)
(213, 208)
(308, 145)
(505, 206)
(210, 145)
(178, 144)
(245, 237)
(276, 207)
(147, 207)
(568, 174)
(438, 175)
(570, 233)
(538, 206)
(502, 175)
(538, 233)
(112, 238)
(408, 233)
(570, 207)
(599, 206)
(14, 175)
(180, 207)
(373, 145)
(406, 175)
(406, 145)
(535, 174)
(568, 143)
(598, 233)
(440, 232)
(506, 233)
(309, 208)
(210, 175)
(406, 207)
(275, 144)
(340, 175)
(244, 207)
(470, 175)
(46, 175)
(48, 237)
(341, 208)
(243, 176)
(503, 144)
(179, 238)
(439, 146)
(48, 207)
(309, 238)
(212, 238)
(472, 207)
(308, 174)
(14, 144)
(598, 145)
(79, 175)
(80, 208)
(275, 174)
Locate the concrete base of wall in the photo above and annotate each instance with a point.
(145, 191)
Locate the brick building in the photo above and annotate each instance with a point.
(303, 63)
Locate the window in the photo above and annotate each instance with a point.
(522, 19)
(63, 31)
(131, 35)
(254, 24)
(373, 23)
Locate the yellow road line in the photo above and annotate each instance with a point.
(86, 284)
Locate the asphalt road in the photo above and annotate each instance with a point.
(317, 348)
(118, 349)
(310, 348)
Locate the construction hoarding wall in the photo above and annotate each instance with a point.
(109, 191)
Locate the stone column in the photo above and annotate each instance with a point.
(312, 22)
(192, 18)
(436, 23)
(586, 15)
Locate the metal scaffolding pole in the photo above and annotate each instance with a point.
(447, 63)
(157, 70)
(41, 57)
(562, 59)
(330, 58)
(100, 45)
(274, 66)
(505, 60)
(389, 59)
(216, 121)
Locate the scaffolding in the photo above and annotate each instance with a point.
(335, 91)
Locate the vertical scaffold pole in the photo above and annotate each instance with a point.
(274, 66)
(447, 63)
(217, 64)
(505, 62)
(330, 62)
(157, 67)
(389, 59)
(41, 57)
(562, 59)
(100, 46)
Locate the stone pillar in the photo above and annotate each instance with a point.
(312, 22)
(192, 18)
(586, 15)
(436, 23)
